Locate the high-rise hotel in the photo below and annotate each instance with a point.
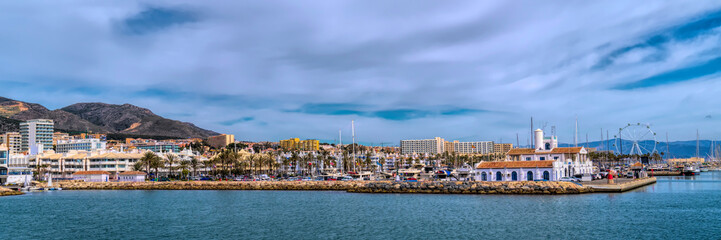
(36, 135)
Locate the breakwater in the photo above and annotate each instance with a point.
(350, 186)
(525, 187)
(213, 185)
(627, 186)
(8, 192)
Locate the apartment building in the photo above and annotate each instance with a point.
(221, 141)
(430, 146)
(36, 135)
(479, 147)
(12, 141)
(297, 144)
(90, 144)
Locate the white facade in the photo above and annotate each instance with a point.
(132, 177)
(431, 146)
(481, 147)
(36, 135)
(92, 176)
(521, 174)
(90, 144)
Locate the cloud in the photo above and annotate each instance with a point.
(155, 19)
(236, 121)
(412, 69)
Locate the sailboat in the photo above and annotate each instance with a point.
(50, 183)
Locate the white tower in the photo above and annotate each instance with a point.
(538, 139)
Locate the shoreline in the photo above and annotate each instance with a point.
(353, 187)
(468, 187)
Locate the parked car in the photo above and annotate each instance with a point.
(347, 178)
(569, 179)
(206, 178)
(307, 179)
(411, 180)
(195, 178)
(292, 179)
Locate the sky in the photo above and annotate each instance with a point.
(461, 70)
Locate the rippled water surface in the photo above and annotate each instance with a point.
(673, 208)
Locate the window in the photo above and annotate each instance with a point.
(484, 176)
(546, 176)
(543, 158)
(499, 176)
(529, 176)
(514, 176)
(528, 158)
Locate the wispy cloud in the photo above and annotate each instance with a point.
(155, 19)
(266, 71)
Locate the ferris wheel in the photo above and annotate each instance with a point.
(636, 139)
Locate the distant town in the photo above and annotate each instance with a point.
(38, 152)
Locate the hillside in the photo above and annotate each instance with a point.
(99, 118)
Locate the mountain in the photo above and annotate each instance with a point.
(100, 118)
(132, 119)
(677, 149)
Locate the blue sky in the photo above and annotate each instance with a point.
(472, 70)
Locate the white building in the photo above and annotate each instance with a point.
(132, 176)
(481, 147)
(92, 176)
(430, 146)
(546, 156)
(90, 144)
(36, 135)
(517, 171)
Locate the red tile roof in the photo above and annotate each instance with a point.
(519, 151)
(567, 150)
(516, 164)
(91, 173)
(559, 150)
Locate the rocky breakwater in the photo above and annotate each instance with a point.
(212, 185)
(8, 192)
(473, 188)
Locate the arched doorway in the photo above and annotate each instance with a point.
(529, 176)
(514, 176)
(499, 176)
(546, 176)
(484, 176)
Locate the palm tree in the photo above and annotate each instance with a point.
(171, 158)
(194, 165)
(147, 161)
(184, 165)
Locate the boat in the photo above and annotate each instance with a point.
(689, 171)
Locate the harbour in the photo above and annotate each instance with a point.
(674, 202)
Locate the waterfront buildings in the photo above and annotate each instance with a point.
(681, 161)
(13, 168)
(545, 161)
(517, 171)
(221, 141)
(132, 176)
(12, 141)
(502, 147)
(92, 176)
(429, 146)
(90, 144)
(158, 146)
(36, 135)
(479, 147)
(297, 144)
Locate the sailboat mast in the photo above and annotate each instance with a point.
(352, 128)
(697, 149)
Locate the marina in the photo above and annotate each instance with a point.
(660, 209)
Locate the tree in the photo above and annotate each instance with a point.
(148, 160)
(184, 165)
(194, 165)
(171, 158)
